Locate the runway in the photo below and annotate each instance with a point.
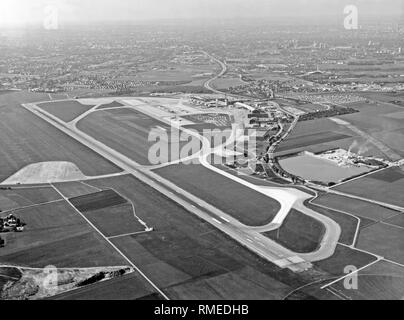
(249, 237)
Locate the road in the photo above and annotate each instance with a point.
(208, 84)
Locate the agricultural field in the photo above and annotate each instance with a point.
(109, 212)
(383, 122)
(380, 121)
(128, 287)
(27, 139)
(127, 131)
(75, 189)
(316, 136)
(387, 277)
(65, 110)
(98, 200)
(383, 239)
(390, 181)
(393, 98)
(310, 107)
(56, 235)
(310, 139)
(299, 233)
(253, 208)
(344, 256)
(381, 280)
(21, 197)
(227, 82)
(356, 207)
(397, 220)
(175, 72)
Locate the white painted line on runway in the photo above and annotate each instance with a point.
(223, 218)
(217, 221)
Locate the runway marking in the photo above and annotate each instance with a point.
(217, 221)
(114, 246)
(225, 219)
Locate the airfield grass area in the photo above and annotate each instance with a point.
(385, 186)
(190, 259)
(113, 104)
(252, 208)
(348, 223)
(299, 233)
(127, 131)
(384, 240)
(356, 207)
(65, 110)
(57, 235)
(27, 139)
(310, 139)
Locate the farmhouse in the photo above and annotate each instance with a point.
(11, 224)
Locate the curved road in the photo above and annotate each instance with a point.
(208, 83)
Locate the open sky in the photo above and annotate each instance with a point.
(20, 12)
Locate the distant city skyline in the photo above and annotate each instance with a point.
(24, 12)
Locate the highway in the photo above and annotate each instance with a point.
(208, 84)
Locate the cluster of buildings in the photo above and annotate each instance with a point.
(210, 101)
(11, 224)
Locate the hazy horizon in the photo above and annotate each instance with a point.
(27, 12)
